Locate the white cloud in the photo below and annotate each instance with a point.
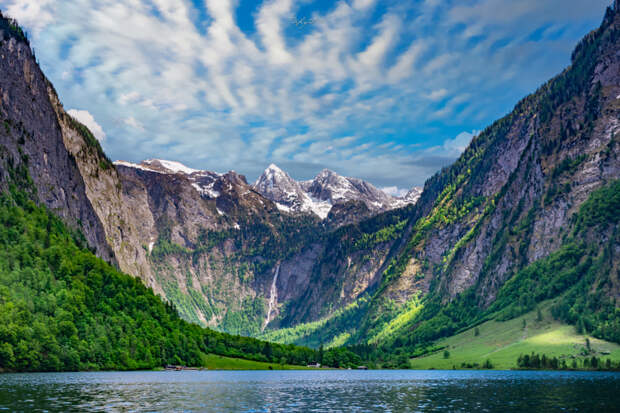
(215, 97)
(131, 121)
(457, 145)
(34, 14)
(437, 94)
(128, 98)
(89, 121)
(269, 24)
(395, 191)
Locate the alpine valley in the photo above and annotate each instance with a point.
(524, 222)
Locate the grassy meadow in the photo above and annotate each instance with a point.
(503, 342)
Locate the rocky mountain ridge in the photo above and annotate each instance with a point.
(316, 196)
(227, 256)
(214, 245)
(327, 189)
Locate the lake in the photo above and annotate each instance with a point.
(311, 391)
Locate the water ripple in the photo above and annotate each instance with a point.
(311, 391)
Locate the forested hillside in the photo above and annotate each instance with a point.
(527, 213)
(62, 308)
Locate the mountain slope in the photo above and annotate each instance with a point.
(61, 307)
(503, 342)
(501, 219)
(509, 200)
(31, 143)
(214, 245)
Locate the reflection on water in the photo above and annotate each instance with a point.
(315, 391)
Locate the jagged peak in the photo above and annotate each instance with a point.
(273, 174)
(327, 172)
(273, 167)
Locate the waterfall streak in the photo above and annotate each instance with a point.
(273, 294)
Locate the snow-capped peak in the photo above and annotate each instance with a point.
(204, 182)
(273, 167)
(172, 166)
(321, 193)
(287, 193)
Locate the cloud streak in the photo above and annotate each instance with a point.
(380, 91)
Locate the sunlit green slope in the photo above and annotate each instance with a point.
(502, 342)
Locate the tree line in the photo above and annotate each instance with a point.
(62, 308)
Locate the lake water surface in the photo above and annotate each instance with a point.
(311, 391)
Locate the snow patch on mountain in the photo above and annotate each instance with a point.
(173, 166)
(135, 166)
(287, 194)
(316, 196)
(320, 194)
(202, 181)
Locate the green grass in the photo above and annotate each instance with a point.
(215, 362)
(503, 341)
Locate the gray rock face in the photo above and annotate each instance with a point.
(506, 202)
(202, 234)
(31, 137)
(289, 196)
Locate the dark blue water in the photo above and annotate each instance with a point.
(312, 391)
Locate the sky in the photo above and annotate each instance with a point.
(387, 91)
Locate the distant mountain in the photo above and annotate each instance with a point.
(528, 213)
(213, 242)
(327, 189)
(287, 193)
(412, 196)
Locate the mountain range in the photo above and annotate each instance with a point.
(327, 189)
(528, 213)
(251, 232)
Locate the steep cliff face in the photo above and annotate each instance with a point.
(121, 226)
(497, 231)
(215, 245)
(180, 215)
(31, 139)
(69, 170)
(544, 160)
(509, 199)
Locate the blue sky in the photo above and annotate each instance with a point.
(388, 91)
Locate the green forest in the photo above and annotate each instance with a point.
(62, 308)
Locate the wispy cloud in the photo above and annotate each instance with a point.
(87, 119)
(379, 90)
